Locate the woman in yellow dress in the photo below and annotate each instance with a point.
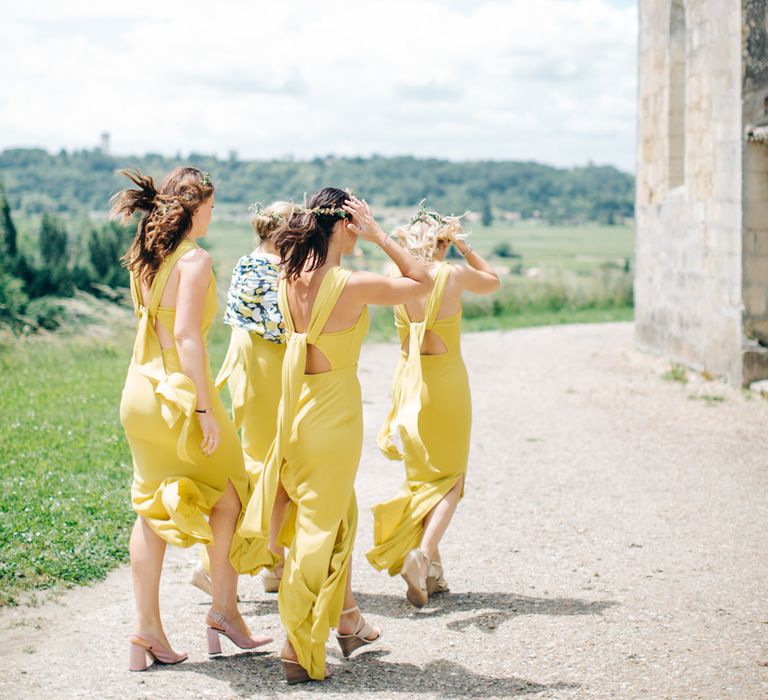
(189, 480)
(319, 437)
(431, 410)
(253, 365)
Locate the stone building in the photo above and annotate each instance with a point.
(701, 288)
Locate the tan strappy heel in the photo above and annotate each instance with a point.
(295, 673)
(271, 577)
(360, 637)
(414, 571)
(436, 582)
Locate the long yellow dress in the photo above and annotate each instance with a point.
(253, 365)
(432, 414)
(251, 371)
(315, 455)
(174, 484)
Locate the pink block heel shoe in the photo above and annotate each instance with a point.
(143, 645)
(218, 625)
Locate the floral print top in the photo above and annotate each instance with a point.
(252, 298)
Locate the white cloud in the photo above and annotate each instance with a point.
(551, 80)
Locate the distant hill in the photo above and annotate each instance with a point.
(72, 182)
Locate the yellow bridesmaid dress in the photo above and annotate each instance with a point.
(251, 371)
(174, 484)
(253, 365)
(431, 414)
(315, 454)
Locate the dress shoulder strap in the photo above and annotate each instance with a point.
(435, 298)
(161, 278)
(330, 290)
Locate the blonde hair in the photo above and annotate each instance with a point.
(267, 220)
(424, 234)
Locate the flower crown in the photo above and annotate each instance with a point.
(327, 211)
(258, 209)
(424, 214)
(206, 179)
(324, 211)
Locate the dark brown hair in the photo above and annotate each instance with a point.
(168, 211)
(303, 240)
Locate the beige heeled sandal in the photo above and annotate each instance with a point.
(295, 673)
(436, 582)
(271, 577)
(360, 637)
(414, 572)
(200, 579)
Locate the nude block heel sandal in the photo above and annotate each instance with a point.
(360, 637)
(296, 673)
(414, 571)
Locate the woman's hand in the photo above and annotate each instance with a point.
(211, 433)
(363, 224)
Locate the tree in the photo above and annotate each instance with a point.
(53, 242)
(487, 215)
(105, 248)
(7, 228)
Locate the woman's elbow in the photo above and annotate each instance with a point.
(490, 285)
(185, 338)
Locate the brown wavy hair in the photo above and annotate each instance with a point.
(303, 240)
(168, 211)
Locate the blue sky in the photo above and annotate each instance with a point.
(546, 80)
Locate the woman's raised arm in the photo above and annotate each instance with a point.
(479, 276)
(371, 288)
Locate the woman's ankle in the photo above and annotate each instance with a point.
(228, 610)
(288, 652)
(151, 625)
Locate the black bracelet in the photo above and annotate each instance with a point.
(203, 410)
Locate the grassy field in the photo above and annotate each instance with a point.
(65, 466)
(577, 248)
(64, 463)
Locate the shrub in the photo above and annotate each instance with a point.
(504, 250)
(13, 300)
(46, 312)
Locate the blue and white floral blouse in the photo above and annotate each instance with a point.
(252, 298)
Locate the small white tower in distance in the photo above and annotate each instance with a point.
(104, 142)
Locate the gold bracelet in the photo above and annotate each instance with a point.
(466, 252)
(384, 241)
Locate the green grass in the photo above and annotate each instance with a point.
(676, 373)
(64, 463)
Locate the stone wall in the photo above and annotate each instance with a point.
(688, 287)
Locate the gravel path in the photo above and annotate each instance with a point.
(612, 544)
